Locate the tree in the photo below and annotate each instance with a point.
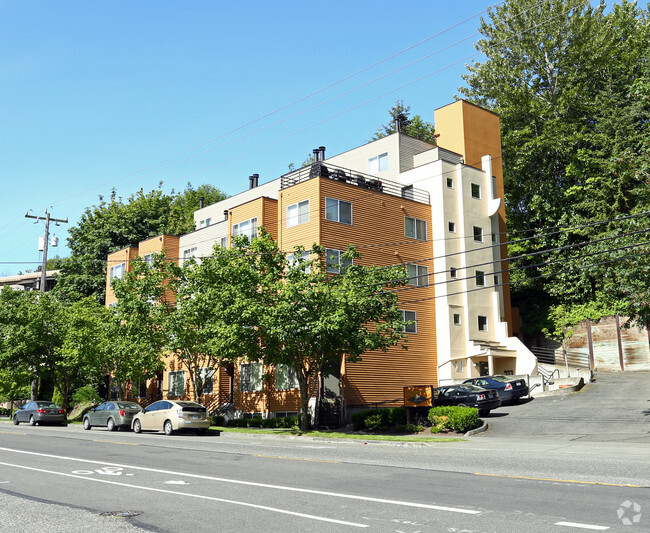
(115, 224)
(560, 73)
(413, 127)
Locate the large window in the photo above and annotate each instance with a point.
(338, 210)
(336, 263)
(378, 163)
(117, 271)
(285, 378)
(250, 377)
(247, 227)
(418, 275)
(297, 213)
(410, 316)
(176, 383)
(415, 228)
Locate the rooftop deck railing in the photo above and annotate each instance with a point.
(345, 175)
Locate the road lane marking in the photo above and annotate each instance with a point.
(260, 485)
(296, 459)
(117, 442)
(582, 526)
(562, 480)
(198, 496)
(13, 433)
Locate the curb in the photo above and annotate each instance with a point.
(562, 391)
(481, 429)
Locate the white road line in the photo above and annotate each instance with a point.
(199, 496)
(582, 526)
(262, 485)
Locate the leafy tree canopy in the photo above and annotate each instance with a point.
(412, 126)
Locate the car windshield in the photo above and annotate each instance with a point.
(128, 405)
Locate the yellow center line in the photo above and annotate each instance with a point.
(561, 480)
(117, 442)
(13, 433)
(296, 459)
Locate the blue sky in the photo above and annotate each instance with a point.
(101, 94)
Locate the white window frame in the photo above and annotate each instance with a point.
(223, 242)
(459, 364)
(333, 210)
(246, 227)
(207, 376)
(378, 163)
(292, 259)
(333, 262)
(285, 378)
(458, 322)
(451, 226)
(297, 213)
(450, 183)
(250, 377)
(415, 228)
(173, 383)
(410, 315)
(117, 272)
(418, 275)
(190, 252)
(205, 223)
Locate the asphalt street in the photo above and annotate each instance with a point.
(511, 478)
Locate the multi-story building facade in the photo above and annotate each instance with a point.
(436, 209)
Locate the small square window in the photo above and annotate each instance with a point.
(496, 281)
(456, 319)
(450, 183)
(480, 278)
(476, 190)
(452, 227)
(378, 163)
(418, 275)
(478, 234)
(482, 323)
(335, 262)
(297, 213)
(453, 272)
(415, 228)
(411, 317)
(338, 210)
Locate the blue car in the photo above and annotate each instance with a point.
(509, 390)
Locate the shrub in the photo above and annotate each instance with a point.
(373, 422)
(409, 428)
(459, 419)
(85, 394)
(218, 420)
(397, 416)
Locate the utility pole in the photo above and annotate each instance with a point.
(47, 220)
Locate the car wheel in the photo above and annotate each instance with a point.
(110, 425)
(32, 422)
(16, 420)
(137, 427)
(87, 423)
(201, 432)
(168, 428)
(461, 405)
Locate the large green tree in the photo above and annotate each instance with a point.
(412, 126)
(116, 223)
(566, 80)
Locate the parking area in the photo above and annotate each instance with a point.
(614, 408)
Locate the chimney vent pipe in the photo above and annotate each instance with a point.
(201, 200)
(225, 214)
(316, 154)
(322, 153)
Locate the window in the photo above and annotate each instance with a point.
(480, 278)
(204, 223)
(139, 389)
(207, 378)
(336, 263)
(117, 271)
(149, 258)
(476, 190)
(418, 275)
(452, 227)
(189, 253)
(247, 228)
(478, 234)
(482, 323)
(224, 242)
(458, 365)
(456, 319)
(415, 228)
(297, 214)
(338, 210)
(409, 316)
(176, 383)
(496, 281)
(450, 183)
(250, 377)
(378, 163)
(285, 378)
(293, 259)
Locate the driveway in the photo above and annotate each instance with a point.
(614, 408)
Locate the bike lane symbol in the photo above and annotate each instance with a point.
(105, 471)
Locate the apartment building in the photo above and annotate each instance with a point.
(436, 209)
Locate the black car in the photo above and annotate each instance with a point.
(466, 395)
(509, 389)
(39, 412)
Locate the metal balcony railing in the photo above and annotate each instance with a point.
(345, 175)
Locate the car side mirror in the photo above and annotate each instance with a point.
(144, 410)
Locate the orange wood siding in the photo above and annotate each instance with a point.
(169, 244)
(125, 255)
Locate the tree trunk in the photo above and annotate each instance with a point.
(34, 391)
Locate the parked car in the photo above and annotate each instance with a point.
(111, 415)
(467, 395)
(40, 412)
(509, 389)
(170, 416)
